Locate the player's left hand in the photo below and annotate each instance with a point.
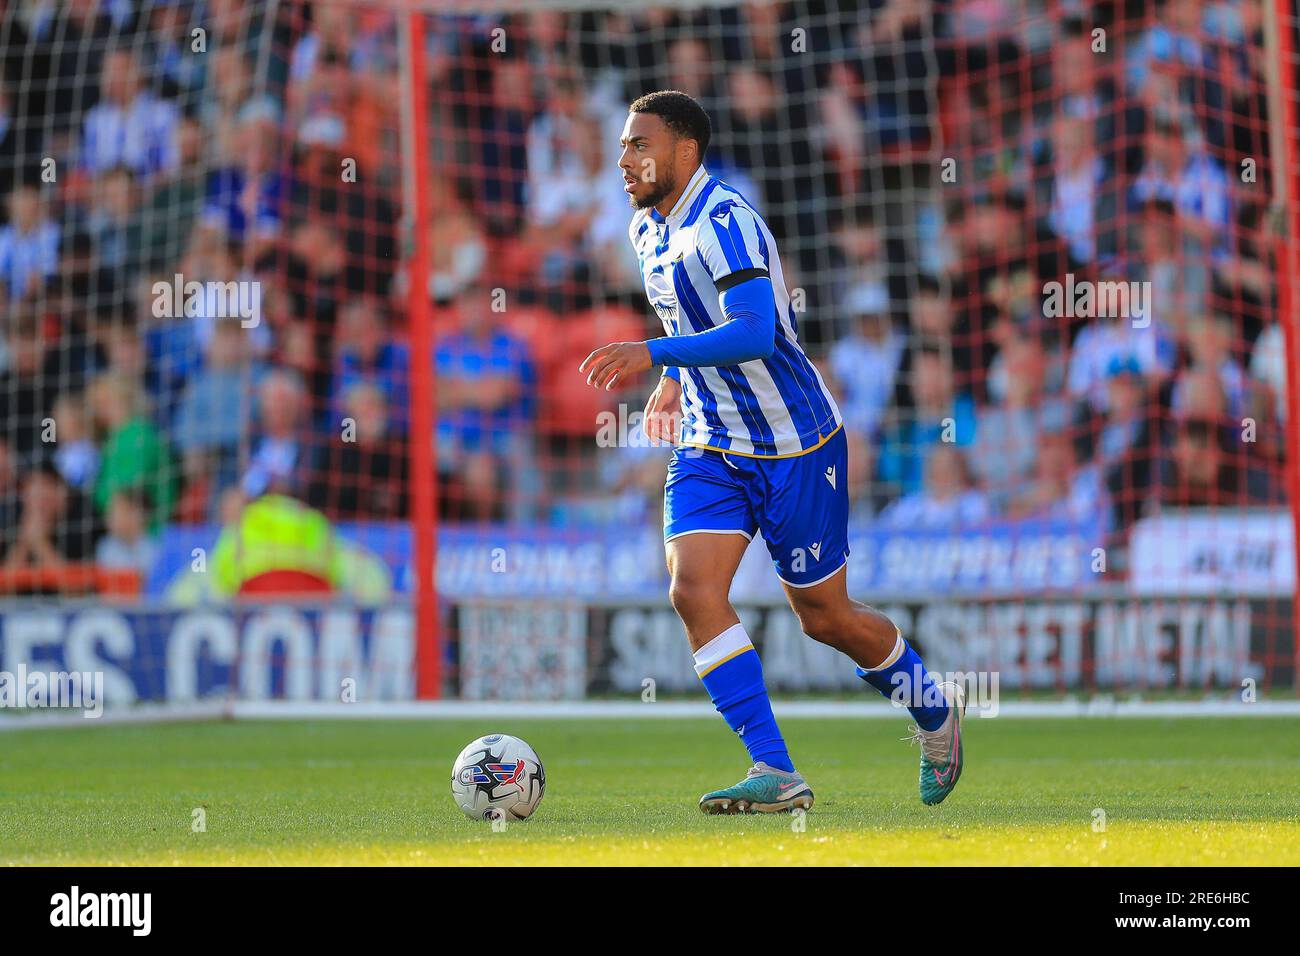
(611, 363)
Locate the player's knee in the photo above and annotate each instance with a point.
(825, 626)
(690, 595)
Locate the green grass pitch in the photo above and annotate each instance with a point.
(624, 792)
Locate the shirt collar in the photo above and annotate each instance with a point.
(692, 190)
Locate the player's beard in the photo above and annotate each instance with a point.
(656, 195)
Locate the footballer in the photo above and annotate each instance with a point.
(758, 447)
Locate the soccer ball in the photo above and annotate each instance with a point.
(498, 777)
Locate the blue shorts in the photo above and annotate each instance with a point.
(800, 504)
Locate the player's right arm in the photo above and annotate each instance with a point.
(663, 409)
(730, 245)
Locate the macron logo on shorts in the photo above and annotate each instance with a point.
(830, 475)
(816, 549)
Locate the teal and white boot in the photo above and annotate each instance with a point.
(941, 750)
(764, 790)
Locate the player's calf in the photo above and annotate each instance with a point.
(858, 631)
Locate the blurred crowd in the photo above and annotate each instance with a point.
(928, 168)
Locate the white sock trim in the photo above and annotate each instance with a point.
(724, 647)
(894, 655)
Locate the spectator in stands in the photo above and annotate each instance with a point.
(1207, 467)
(299, 351)
(332, 32)
(614, 265)
(458, 248)
(24, 388)
(862, 473)
(498, 115)
(55, 524)
(368, 353)
(71, 39)
(690, 69)
(767, 143)
(934, 413)
(866, 360)
(211, 416)
(227, 287)
(10, 497)
(485, 394)
(134, 453)
(281, 458)
(1080, 202)
(578, 220)
(1209, 342)
(315, 278)
(1106, 339)
(177, 336)
(946, 501)
(1180, 171)
(245, 197)
(361, 471)
(29, 245)
(1202, 395)
(167, 43)
(1179, 282)
(840, 129)
(1268, 365)
(230, 89)
(1007, 432)
(1246, 276)
(128, 544)
(337, 107)
(1121, 441)
(1060, 489)
(553, 146)
(337, 181)
(1083, 91)
(860, 275)
(76, 455)
(935, 317)
(631, 489)
(164, 220)
(1178, 62)
(122, 347)
(1041, 331)
(109, 221)
(129, 125)
(10, 163)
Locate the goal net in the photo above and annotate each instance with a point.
(295, 294)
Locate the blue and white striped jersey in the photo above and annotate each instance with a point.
(773, 407)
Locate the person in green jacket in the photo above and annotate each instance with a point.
(134, 454)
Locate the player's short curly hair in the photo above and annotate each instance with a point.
(680, 113)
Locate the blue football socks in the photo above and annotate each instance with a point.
(733, 675)
(903, 677)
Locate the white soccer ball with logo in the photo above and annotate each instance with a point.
(498, 777)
